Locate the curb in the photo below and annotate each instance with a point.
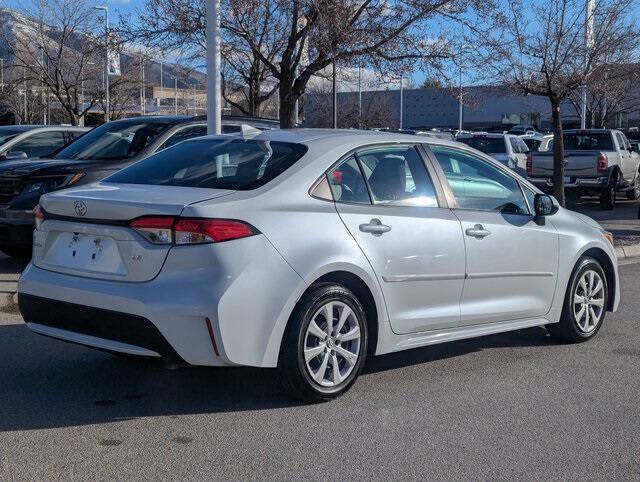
(629, 251)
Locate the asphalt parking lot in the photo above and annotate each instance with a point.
(515, 405)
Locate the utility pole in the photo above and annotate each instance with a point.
(106, 61)
(588, 44)
(335, 98)
(214, 107)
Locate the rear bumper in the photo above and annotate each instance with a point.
(99, 328)
(586, 182)
(243, 288)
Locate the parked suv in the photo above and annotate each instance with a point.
(510, 150)
(94, 156)
(596, 161)
(22, 142)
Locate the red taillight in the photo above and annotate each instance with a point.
(38, 216)
(529, 164)
(603, 163)
(172, 230)
(193, 231)
(155, 229)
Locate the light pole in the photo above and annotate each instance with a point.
(1, 75)
(335, 98)
(359, 95)
(462, 49)
(175, 95)
(24, 78)
(106, 60)
(214, 112)
(588, 43)
(401, 98)
(161, 85)
(142, 92)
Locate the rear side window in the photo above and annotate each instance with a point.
(488, 145)
(397, 176)
(589, 141)
(347, 184)
(214, 163)
(184, 134)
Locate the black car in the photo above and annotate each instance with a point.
(93, 156)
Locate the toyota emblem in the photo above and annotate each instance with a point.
(80, 207)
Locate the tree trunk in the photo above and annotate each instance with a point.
(287, 105)
(558, 153)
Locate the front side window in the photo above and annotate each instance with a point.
(113, 141)
(477, 184)
(523, 148)
(397, 176)
(514, 145)
(214, 164)
(41, 144)
(532, 144)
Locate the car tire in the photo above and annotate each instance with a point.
(317, 366)
(633, 194)
(585, 303)
(18, 253)
(608, 196)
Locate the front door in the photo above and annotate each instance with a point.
(387, 201)
(512, 257)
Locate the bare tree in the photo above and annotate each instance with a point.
(180, 26)
(612, 91)
(57, 53)
(540, 49)
(384, 35)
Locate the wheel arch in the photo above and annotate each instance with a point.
(362, 291)
(607, 265)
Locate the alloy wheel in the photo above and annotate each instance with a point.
(332, 343)
(588, 301)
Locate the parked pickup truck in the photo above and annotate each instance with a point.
(596, 162)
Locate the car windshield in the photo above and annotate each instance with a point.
(6, 135)
(214, 163)
(488, 145)
(591, 141)
(113, 141)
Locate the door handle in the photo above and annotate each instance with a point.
(375, 227)
(477, 231)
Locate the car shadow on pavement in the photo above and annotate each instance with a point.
(12, 266)
(47, 383)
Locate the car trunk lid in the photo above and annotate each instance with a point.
(86, 230)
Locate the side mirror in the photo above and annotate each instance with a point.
(545, 205)
(15, 155)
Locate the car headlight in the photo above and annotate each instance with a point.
(608, 236)
(52, 183)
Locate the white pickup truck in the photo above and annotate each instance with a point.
(596, 162)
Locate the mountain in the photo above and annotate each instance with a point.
(16, 25)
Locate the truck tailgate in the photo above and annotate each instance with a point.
(577, 163)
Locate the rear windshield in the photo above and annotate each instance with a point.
(214, 163)
(488, 145)
(592, 141)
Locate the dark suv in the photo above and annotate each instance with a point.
(93, 156)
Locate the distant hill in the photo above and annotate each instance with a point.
(14, 24)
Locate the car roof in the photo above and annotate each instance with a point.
(19, 128)
(339, 137)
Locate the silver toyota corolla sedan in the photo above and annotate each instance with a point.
(307, 250)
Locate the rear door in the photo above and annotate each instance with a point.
(389, 203)
(512, 259)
